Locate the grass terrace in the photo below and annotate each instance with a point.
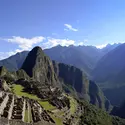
(18, 90)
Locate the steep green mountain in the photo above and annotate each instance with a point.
(75, 81)
(38, 66)
(14, 62)
(94, 116)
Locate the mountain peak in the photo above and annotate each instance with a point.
(37, 50)
(38, 66)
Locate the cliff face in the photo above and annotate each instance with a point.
(78, 82)
(38, 66)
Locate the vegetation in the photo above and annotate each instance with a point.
(47, 105)
(94, 116)
(26, 116)
(73, 105)
(18, 90)
(57, 120)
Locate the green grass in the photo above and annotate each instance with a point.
(60, 113)
(57, 120)
(18, 90)
(30, 115)
(47, 105)
(73, 106)
(26, 116)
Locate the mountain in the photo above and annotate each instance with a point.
(109, 73)
(110, 47)
(111, 67)
(75, 81)
(83, 57)
(38, 66)
(39, 93)
(14, 62)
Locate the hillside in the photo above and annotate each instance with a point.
(109, 74)
(75, 81)
(48, 108)
(34, 95)
(14, 62)
(110, 66)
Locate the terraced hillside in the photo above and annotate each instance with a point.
(22, 109)
(34, 111)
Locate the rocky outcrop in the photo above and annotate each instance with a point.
(39, 67)
(4, 86)
(3, 71)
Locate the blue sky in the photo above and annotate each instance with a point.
(47, 23)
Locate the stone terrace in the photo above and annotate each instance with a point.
(21, 111)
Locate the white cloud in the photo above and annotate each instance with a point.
(69, 27)
(101, 46)
(51, 42)
(25, 43)
(106, 43)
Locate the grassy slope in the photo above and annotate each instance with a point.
(26, 116)
(18, 90)
(57, 120)
(73, 105)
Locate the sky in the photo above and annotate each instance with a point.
(47, 23)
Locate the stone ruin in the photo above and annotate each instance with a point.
(61, 102)
(15, 110)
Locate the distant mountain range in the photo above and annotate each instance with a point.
(111, 67)
(83, 57)
(14, 62)
(110, 74)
